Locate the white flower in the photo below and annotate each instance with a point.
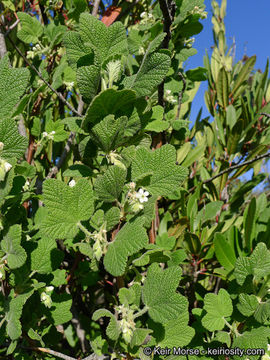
(49, 288)
(44, 134)
(72, 183)
(69, 85)
(142, 196)
(53, 132)
(1, 275)
(26, 186)
(7, 166)
(46, 299)
(1, 145)
(143, 14)
(141, 50)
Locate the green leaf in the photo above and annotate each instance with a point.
(110, 101)
(247, 304)
(109, 186)
(223, 88)
(66, 207)
(45, 258)
(78, 170)
(13, 83)
(218, 307)
(76, 49)
(58, 127)
(249, 223)
(223, 337)
(16, 255)
(15, 307)
(150, 74)
(105, 41)
(254, 339)
(258, 264)
(31, 28)
(198, 74)
(126, 296)
(231, 117)
(128, 241)
(109, 133)
(166, 176)
(243, 74)
(208, 212)
(113, 329)
(224, 252)
(14, 144)
(60, 310)
(175, 327)
(138, 337)
(88, 78)
(163, 305)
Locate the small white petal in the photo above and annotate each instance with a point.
(72, 183)
(44, 134)
(53, 132)
(49, 288)
(146, 193)
(7, 166)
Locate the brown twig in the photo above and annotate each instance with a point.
(54, 353)
(59, 95)
(265, 114)
(95, 7)
(248, 162)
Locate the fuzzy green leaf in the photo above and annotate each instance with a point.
(150, 74)
(14, 144)
(175, 327)
(139, 336)
(163, 305)
(254, 339)
(16, 255)
(31, 28)
(88, 78)
(13, 83)
(218, 307)
(46, 257)
(109, 186)
(14, 328)
(60, 310)
(76, 49)
(247, 304)
(128, 241)
(258, 264)
(113, 329)
(166, 175)
(224, 252)
(66, 207)
(105, 41)
(108, 102)
(109, 133)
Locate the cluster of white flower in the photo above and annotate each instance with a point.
(32, 53)
(127, 324)
(198, 11)
(69, 85)
(168, 97)
(26, 185)
(49, 135)
(4, 166)
(45, 296)
(189, 42)
(101, 243)
(147, 18)
(136, 198)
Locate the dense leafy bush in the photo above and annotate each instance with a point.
(124, 229)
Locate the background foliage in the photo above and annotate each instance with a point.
(122, 226)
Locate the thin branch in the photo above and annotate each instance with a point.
(12, 27)
(95, 8)
(66, 150)
(265, 114)
(127, 11)
(180, 96)
(54, 353)
(168, 8)
(59, 95)
(248, 162)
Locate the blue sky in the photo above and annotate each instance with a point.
(248, 22)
